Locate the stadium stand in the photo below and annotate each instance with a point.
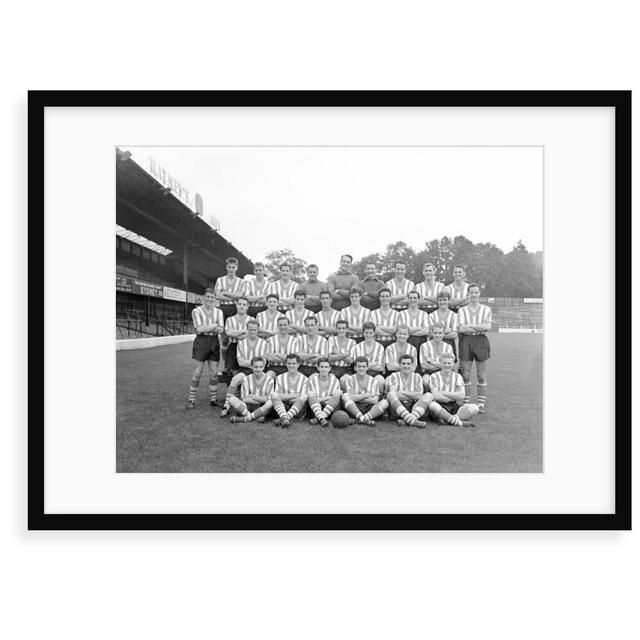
(166, 255)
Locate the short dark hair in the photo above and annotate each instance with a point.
(258, 359)
(361, 359)
(474, 284)
(443, 293)
(282, 318)
(323, 359)
(368, 325)
(385, 290)
(312, 318)
(312, 266)
(242, 298)
(253, 321)
(258, 264)
(286, 264)
(324, 292)
(405, 356)
(346, 255)
(209, 290)
(355, 290)
(273, 295)
(293, 356)
(231, 261)
(300, 292)
(342, 321)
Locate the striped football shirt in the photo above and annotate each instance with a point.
(283, 291)
(430, 350)
(322, 388)
(453, 384)
(400, 289)
(480, 315)
(255, 289)
(334, 347)
(202, 316)
(374, 352)
(306, 345)
(412, 385)
(367, 385)
(427, 291)
(417, 319)
(382, 318)
(355, 317)
(449, 319)
(236, 323)
(288, 385)
(458, 292)
(247, 349)
(395, 350)
(224, 284)
(251, 386)
(269, 322)
(328, 318)
(297, 317)
(282, 347)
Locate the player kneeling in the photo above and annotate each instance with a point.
(407, 400)
(289, 397)
(447, 389)
(255, 393)
(362, 397)
(324, 393)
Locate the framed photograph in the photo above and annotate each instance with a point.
(332, 310)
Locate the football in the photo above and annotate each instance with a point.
(340, 419)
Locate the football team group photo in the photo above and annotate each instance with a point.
(338, 310)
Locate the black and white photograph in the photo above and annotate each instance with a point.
(329, 309)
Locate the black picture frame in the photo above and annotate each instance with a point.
(38, 101)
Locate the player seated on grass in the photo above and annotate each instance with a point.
(475, 321)
(407, 399)
(448, 318)
(324, 393)
(208, 323)
(236, 329)
(327, 316)
(255, 393)
(416, 319)
(268, 319)
(371, 286)
(339, 353)
(310, 347)
(248, 348)
(400, 287)
(385, 318)
(355, 315)
(362, 396)
(447, 389)
(285, 287)
(298, 314)
(429, 288)
(400, 347)
(256, 290)
(373, 351)
(341, 282)
(290, 397)
(280, 346)
(431, 351)
(458, 289)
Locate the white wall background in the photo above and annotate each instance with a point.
(170, 585)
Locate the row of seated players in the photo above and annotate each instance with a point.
(405, 395)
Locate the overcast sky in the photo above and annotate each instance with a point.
(325, 201)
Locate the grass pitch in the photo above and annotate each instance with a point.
(156, 434)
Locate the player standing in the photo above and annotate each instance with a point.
(268, 319)
(339, 353)
(324, 393)
(256, 290)
(298, 314)
(362, 396)
(312, 288)
(280, 345)
(355, 315)
(447, 389)
(373, 352)
(407, 399)
(371, 286)
(208, 324)
(458, 289)
(400, 288)
(446, 317)
(229, 288)
(399, 348)
(236, 329)
(385, 318)
(431, 351)
(429, 288)
(341, 282)
(285, 287)
(327, 316)
(255, 392)
(416, 319)
(290, 397)
(474, 322)
(310, 347)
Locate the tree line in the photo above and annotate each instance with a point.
(517, 274)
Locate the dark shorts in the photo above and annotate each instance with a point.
(231, 357)
(452, 343)
(370, 303)
(228, 310)
(246, 370)
(251, 407)
(338, 372)
(373, 373)
(313, 306)
(356, 339)
(474, 348)
(339, 305)
(451, 407)
(205, 348)
(407, 404)
(307, 370)
(277, 369)
(254, 311)
(417, 341)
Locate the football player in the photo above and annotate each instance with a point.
(400, 288)
(362, 396)
(310, 347)
(327, 316)
(255, 393)
(341, 283)
(431, 351)
(399, 348)
(385, 318)
(229, 288)
(208, 323)
(236, 329)
(407, 399)
(285, 287)
(446, 317)
(256, 291)
(312, 288)
(298, 314)
(474, 322)
(268, 319)
(289, 397)
(339, 353)
(371, 286)
(324, 393)
(447, 389)
(373, 351)
(280, 345)
(355, 315)
(429, 288)
(416, 319)
(458, 289)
